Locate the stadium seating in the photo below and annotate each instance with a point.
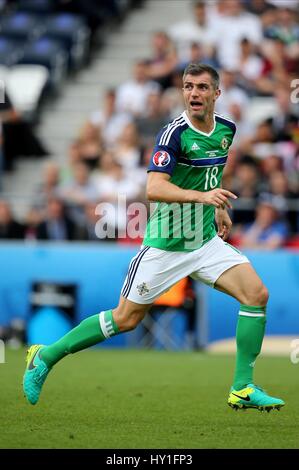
(36, 6)
(10, 51)
(25, 84)
(48, 53)
(21, 26)
(3, 73)
(73, 35)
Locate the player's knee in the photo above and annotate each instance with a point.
(127, 321)
(263, 295)
(131, 322)
(258, 296)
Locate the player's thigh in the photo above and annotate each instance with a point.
(152, 272)
(128, 314)
(215, 258)
(243, 283)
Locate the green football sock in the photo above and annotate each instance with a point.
(250, 334)
(90, 331)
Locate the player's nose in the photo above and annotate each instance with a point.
(194, 94)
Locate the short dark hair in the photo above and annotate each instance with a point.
(198, 69)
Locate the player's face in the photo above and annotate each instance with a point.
(199, 95)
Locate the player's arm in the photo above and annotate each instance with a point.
(166, 153)
(159, 188)
(223, 221)
(222, 218)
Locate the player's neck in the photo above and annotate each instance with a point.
(205, 125)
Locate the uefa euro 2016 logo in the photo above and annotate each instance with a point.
(161, 158)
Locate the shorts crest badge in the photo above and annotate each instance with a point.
(142, 289)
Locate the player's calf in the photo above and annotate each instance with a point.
(89, 332)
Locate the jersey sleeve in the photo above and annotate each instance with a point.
(234, 129)
(166, 152)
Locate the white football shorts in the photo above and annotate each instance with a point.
(153, 271)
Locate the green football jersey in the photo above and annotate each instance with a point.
(194, 160)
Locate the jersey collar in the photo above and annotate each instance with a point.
(207, 134)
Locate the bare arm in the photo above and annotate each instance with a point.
(159, 188)
(224, 223)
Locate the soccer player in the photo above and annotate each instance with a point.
(184, 178)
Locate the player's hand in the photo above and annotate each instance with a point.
(224, 223)
(218, 197)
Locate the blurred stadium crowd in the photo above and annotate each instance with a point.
(254, 44)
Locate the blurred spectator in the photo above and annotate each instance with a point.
(271, 164)
(127, 150)
(10, 229)
(247, 177)
(261, 143)
(269, 231)
(286, 28)
(269, 19)
(108, 121)
(77, 192)
(73, 157)
(280, 187)
(172, 98)
(246, 185)
(48, 186)
(7, 115)
(250, 67)
(87, 231)
(111, 180)
(90, 145)
(33, 219)
(155, 118)
(284, 121)
(198, 55)
(163, 61)
(281, 66)
(245, 128)
(118, 188)
(17, 136)
(56, 226)
(230, 28)
(257, 7)
(131, 96)
(196, 30)
(231, 94)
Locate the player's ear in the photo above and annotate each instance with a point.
(217, 93)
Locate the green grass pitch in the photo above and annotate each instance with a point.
(145, 399)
